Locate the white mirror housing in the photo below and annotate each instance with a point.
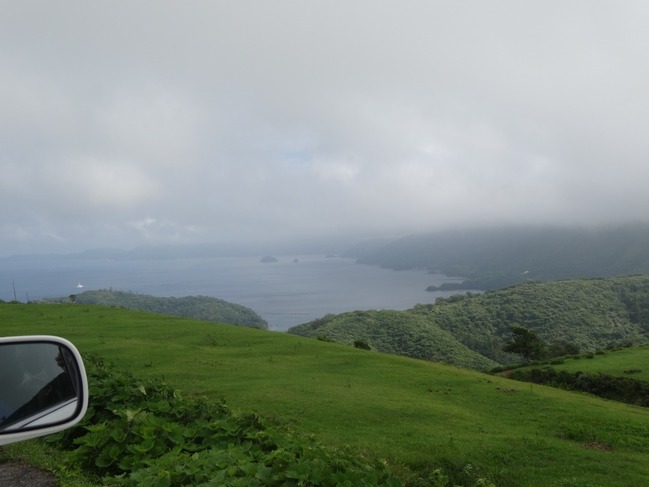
(43, 387)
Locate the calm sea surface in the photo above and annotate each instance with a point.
(294, 290)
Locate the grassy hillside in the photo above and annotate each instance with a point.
(590, 314)
(619, 374)
(198, 307)
(632, 362)
(415, 414)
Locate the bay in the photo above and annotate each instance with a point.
(294, 290)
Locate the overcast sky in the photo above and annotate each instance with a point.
(128, 123)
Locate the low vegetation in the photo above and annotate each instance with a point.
(617, 374)
(426, 423)
(624, 389)
(145, 433)
(619, 361)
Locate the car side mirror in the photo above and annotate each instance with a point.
(43, 387)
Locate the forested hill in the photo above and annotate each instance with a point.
(494, 258)
(471, 330)
(199, 307)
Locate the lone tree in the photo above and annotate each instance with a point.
(526, 343)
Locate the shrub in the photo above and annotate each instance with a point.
(623, 389)
(632, 371)
(362, 345)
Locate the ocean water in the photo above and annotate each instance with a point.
(291, 291)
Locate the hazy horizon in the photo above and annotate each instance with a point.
(341, 246)
(137, 124)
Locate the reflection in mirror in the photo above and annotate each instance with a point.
(39, 385)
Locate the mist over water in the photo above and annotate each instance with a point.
(291, 291)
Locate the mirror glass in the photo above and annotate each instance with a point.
(40, 385)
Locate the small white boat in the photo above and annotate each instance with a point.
(79, 285)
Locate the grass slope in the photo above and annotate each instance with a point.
(418, 415)
(619, 375)
(631, 362)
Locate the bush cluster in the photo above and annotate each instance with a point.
(623, 389)
(144, 433)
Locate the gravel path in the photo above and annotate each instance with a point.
(22, 475)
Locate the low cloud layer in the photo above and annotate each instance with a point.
(158, 122)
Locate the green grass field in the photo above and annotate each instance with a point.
(628, 362)
(416, 415)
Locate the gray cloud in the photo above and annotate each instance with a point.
(125, 123)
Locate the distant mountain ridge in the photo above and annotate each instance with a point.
(198, 307)
(498, 257)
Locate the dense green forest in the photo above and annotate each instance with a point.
(198, 307)
(471, 330)
(494, 258)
